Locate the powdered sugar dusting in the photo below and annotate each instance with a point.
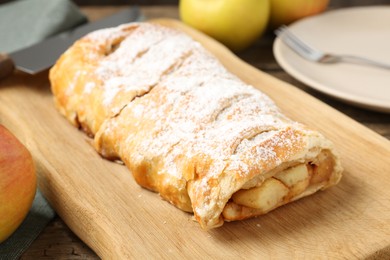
(199, 108)
(88, 87)
(139, 63)
(175, 103)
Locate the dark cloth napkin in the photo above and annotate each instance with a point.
(23, 23)
(39, 216)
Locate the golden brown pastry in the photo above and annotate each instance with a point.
(187, 128)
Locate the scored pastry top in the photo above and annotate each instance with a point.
(184, 126)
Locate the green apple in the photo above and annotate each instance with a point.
(18, 183)
(284, 12)
(235, 23)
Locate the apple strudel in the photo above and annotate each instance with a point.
(186, 127)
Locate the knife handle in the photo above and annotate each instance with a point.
(6, 65)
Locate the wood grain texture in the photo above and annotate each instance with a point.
(101, 203)
(63, 244)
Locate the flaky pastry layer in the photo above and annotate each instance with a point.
(187, 128)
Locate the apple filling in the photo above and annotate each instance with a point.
(285, 186)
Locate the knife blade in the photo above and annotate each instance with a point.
(43, 55)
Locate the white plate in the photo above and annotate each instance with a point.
(361, 31)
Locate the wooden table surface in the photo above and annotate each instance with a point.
(57, 241)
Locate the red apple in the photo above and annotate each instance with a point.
(18, 183)
(287, 11)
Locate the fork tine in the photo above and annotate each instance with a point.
(297, 44)
(313, 54)
(287, 33)
(283, 34)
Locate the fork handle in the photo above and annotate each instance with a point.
(362, 60)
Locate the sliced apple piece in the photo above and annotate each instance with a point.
(297, 178)
(293, 175)
(323, 169)
(265, 197)
(299, 187)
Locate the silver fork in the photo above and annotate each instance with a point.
(310, 53)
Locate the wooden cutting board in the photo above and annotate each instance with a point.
(102, 204)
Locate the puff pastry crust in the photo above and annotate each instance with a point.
(186, 127)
